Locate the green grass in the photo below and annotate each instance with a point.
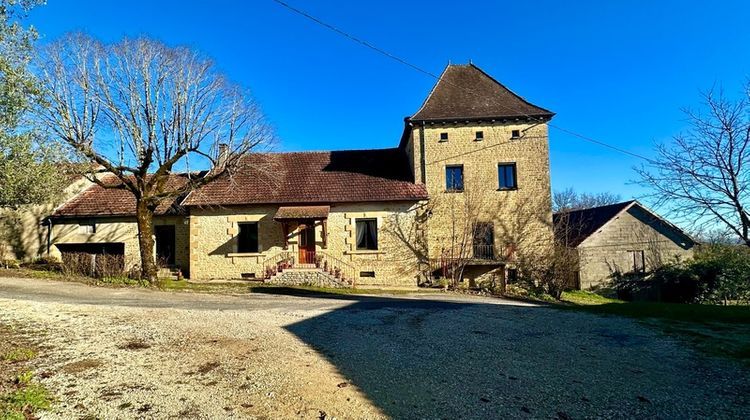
(582, 297)
(667, 311)
(27, 398)
(717, 330)
(20, 354)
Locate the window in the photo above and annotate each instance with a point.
(479, 136)
(506, 176)
(515, 134)
(247, 239)
(454, 178)
(512, 276)
(443, 136)
(484, 241)
(367, 234)
(87, 228)
(639, 262)
(367, 274)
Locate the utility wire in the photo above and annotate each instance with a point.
(434, 76)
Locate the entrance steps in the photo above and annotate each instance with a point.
(171, 273)
(306, 276)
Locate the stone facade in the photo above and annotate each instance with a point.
(469, 119)
(521, 217)
(119, 230)
(213, 242)
(22, 234)
(611, 249)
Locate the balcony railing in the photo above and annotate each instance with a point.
(483, 252)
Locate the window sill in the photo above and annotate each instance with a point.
(244, 254)
(364, 252)
(508, 189)
(453, 191)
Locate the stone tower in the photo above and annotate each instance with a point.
(483, 154)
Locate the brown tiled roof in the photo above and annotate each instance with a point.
(97, 201)
(302, 212)
(314, 177)
(466, 92)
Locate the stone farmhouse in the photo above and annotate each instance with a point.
(619, 238)
(469, 178)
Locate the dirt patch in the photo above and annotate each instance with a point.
(135, 344)
(208, 367)
(80, 366)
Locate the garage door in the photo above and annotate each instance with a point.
(94, 259)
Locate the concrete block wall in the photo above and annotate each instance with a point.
(607, 251)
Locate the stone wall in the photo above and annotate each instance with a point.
(22, 235)
(522, 217)
(608, 250)
(213, 242)
(305, 277)
(121, 230)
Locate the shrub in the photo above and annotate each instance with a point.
(717, 274)
(44, 264)
(99, 265)
(724, 271)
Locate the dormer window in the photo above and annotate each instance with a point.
(443, 136)
(479, 136)
(515, 134)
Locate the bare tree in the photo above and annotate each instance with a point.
(702, 177)
(141, 110)
(569, 199)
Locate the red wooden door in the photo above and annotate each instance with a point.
(307, 245)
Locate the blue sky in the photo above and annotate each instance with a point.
(616, 71)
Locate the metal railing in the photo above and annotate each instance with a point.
(338, 268)
(277, 263)
(483, 252)
(308, 257)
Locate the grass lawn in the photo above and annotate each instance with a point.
(21, 396)
(718, 330)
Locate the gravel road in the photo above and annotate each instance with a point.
(131, 353)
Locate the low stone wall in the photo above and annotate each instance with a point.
(306, 277)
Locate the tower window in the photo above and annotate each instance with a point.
(443, 136)
(506, 176)
(479, 136)
(515, 134)
(454, 178)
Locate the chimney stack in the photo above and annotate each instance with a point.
(221, 159)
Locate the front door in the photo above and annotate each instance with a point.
(307, 244)
(165, 245)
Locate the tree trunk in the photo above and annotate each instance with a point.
(145, 218)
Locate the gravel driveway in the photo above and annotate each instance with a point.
(124, 353)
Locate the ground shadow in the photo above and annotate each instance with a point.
(429, 358)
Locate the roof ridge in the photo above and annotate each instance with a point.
(622, 203)
(508, 89)
(320, 151)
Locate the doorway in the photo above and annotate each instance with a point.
(307, 244)
(165, 245)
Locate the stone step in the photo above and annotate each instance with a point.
(306, 277)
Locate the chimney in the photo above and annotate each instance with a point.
(221, 159)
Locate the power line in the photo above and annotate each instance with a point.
(434, 76)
